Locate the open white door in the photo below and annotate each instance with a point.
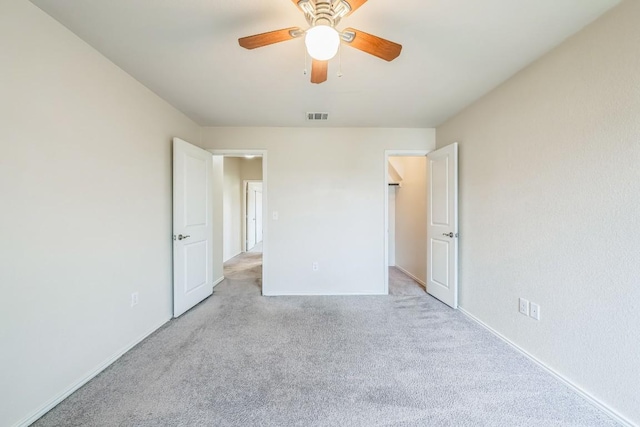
(442, 225)
(192, 225)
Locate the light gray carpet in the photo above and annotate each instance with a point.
(239, 359)
(401, 284)
(242, 276)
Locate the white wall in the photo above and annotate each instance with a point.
(85, 184)
(328, 188)
(232, 207)
(411, 217)
(549, 208)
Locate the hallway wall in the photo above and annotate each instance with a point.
(232, 202)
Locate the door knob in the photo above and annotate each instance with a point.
(181, 237)
(448, 234)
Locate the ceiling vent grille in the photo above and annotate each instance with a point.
(313, 117)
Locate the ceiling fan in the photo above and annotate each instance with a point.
(322, 39)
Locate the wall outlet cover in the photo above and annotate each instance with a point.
(523, 306)
(534, 312)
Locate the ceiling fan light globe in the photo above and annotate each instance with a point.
(322, 42)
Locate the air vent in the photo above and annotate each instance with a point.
(317, 117)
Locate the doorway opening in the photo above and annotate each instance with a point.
(244, 228)
(406, 186)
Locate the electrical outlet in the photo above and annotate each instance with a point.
(535, 311)
(134, 299)
(315, 266)
(524, 306)
(275, 215)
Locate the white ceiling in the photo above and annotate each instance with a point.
(454, 51)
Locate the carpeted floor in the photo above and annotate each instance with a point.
(242, 276)
(401, 284)
(239, 359)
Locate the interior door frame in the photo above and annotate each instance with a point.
(387, 154)
(245, 188)
(265, 222)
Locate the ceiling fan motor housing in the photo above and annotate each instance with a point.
(324, 14)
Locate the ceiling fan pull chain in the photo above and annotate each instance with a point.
(304, 49)
(340, 61)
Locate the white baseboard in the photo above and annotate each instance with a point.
(320, 294)
(591, 399)
(217, 282)
(411, 275)
(29, 419)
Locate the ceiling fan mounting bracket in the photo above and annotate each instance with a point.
(324, 12)
(297, 32)
(347, 36)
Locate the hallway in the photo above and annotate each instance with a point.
(242, 275)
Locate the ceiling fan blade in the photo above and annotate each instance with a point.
(319, 70)
(265, 39)
(355, 4)
(374, 45)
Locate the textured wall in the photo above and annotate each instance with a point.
(550, 208)
(85, 179)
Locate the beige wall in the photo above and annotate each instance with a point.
(85, 178)
(251, 169)
(218, 218)
(391, 218)
(411, 217)
(328, 188)
(232, 206)
(549, 208)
